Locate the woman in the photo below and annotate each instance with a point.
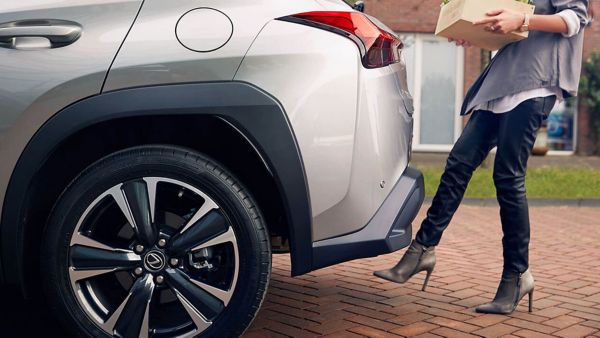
(509, 100)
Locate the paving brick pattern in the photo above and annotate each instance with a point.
(347, 301)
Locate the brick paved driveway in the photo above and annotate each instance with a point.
(347, 301)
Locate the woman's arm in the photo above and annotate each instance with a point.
(504, 21)
(548, 23)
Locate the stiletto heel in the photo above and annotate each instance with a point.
(426, 279)
(531, 301)
(512, 289)
(416, 259)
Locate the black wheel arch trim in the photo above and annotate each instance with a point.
(255, 113)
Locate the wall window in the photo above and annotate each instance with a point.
(435, 75)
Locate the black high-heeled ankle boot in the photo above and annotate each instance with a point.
(416, 259)
(513, 287)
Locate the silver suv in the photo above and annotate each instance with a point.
(155, 153)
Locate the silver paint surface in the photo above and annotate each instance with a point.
(35, 84)
(351, 123)
(152, 55)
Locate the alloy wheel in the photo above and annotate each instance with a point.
(153, 257)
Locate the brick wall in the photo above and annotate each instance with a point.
(592, 33)
(406, 15)
(591, 44)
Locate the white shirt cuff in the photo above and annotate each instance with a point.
(572, 21)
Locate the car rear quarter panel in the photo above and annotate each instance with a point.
(380, 154)
(152, 55)
(314, 74)
(351, 123)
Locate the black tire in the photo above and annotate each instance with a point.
(174, 163)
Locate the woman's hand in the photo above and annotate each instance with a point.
(463, 43)
(502, 21)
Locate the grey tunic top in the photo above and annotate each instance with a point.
(544, 60)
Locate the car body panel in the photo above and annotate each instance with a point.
(304, 68)
(36, 84)
(380, 155)
(354, 147)
(141, 63)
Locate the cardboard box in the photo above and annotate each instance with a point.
(457, 17)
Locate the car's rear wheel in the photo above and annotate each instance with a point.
(156, 241)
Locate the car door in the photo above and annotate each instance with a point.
(52, 53)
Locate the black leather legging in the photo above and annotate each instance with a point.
(514, 134)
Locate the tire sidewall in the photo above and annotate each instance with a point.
(174, 163)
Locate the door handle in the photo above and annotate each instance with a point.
(59, 33)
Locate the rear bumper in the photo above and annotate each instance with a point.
(389, 230)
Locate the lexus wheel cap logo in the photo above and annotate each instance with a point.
(154, 261)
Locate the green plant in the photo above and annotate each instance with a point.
(590, 92)
(550, 182)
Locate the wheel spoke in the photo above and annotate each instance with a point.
(224, 296)
(204, 209)
(119, 196)
(197, 318)
(152, 184)
(131, 318)
(81, 239)
(226, 237)
(77, 275)
(89, 261)
(203, 302)
(210, 226)
(138, 202)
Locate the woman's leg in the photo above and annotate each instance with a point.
(474, 144)
(516, 135)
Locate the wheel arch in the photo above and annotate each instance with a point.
(248, 119)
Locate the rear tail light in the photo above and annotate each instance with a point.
(378, 47)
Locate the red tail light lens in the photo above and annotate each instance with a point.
(378, 47)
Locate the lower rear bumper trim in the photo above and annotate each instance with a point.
(389, 230)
